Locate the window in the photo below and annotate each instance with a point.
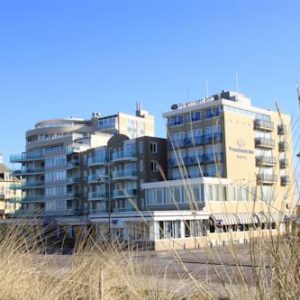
(153, 147)
(196, 116)
(141, 147)
(141, 166)
(154, 166)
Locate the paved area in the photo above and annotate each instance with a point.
(212, 267)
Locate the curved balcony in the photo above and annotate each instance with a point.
(26, 156)
(28, 185)
(268, 161)
(123, 156)
(28, 171)
(97, 161)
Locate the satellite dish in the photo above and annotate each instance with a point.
(174, 107)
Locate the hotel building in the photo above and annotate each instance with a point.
(230, 168)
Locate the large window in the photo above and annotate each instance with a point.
(55, 176)
(55, 161)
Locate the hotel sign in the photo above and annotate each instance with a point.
(243, 151)
(241, 143)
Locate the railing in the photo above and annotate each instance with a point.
(75, 179)
(33, 199)
(26, 156)
(213, 138)
(266, 178)
(73, 164)
(97, 195)
(195, 141)
(97, 178)
(176, 122)
(120, 155)
(282, 146)
(281, 129)
(264, 142)
(28, 171)
(73, 195)
(283, 163)
(124, 174)
(124, 193)
(284, 180)
(27, 185)
(263, 124)
(265, 160)
(124, 209)
(97, 161)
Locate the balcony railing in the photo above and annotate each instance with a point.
(263, 160)
(283, 163)
(97, 195)
(282, 146)
(73, 164)
(73, 195)
(121, 155)
(195, 141)
(284, 180)
(266, 178)
(101, 178)
(263, 125)
(33, 199)
(124, 209)
(261, 142)
(124, 193)
(123, 174)
(213, 138)
(26, 156)
(281, 129)
(28, 171)
(27, 185)
(97, 161)
(73, 180)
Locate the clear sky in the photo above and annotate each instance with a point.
(70, 58)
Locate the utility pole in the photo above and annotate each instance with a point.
(298, 96)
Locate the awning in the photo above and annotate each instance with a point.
(224, 219)
(277, 218)
(269, 217)
(247, 218)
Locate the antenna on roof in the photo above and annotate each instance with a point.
(278, 111)
(138, 108)
(237, 81)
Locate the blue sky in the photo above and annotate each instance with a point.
(70, 58)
